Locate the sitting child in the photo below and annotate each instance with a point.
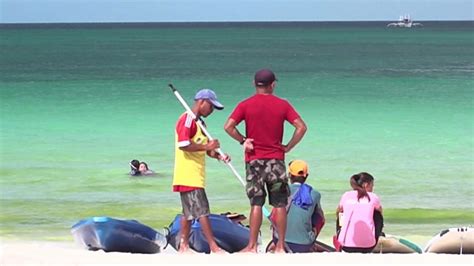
(359, 231)
(305, 216)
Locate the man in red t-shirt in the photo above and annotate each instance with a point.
(264, 115)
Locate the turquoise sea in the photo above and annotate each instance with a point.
(79, 101)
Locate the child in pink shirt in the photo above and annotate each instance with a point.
(358, 231)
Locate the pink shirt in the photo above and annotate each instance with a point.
(264, 117)
(358, 229)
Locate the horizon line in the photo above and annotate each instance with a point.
(223, 21)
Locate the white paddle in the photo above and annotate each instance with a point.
(199, 123)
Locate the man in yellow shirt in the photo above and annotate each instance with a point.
(191, 148)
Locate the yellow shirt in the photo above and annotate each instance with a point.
(189, 167)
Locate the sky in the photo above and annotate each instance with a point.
(66, 11)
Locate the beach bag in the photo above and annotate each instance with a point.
(229, 235)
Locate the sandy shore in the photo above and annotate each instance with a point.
(47, 253)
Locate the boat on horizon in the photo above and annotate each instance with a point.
(404, 22)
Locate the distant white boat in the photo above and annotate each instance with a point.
(404, 22)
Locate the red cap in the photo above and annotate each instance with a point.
(264, 77)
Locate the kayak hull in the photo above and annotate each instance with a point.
(452, 241)
(113, 235)
(395, 244)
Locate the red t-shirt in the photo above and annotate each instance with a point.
(264, 116)
(186, 128)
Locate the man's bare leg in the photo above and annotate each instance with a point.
(255, 224)
(280, 224)
(184, 239)
(206, 229)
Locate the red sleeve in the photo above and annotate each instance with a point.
(291, 114)
(186, 128)
(238, 114)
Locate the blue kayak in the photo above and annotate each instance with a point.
(229, 235)
(111, 234)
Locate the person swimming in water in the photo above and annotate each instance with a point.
(134, 168)
(144, 170)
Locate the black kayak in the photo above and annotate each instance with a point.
(111, 234)
(229, 235)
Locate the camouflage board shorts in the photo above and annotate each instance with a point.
(269, 172)
(195, 204)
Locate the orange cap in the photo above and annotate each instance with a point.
(298, 168)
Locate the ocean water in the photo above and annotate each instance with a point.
(78, 102)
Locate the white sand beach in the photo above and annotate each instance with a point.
(47, 253)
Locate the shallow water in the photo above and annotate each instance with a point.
(77, 104)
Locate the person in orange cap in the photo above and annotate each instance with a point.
(305, 217)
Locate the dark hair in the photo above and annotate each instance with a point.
(146, 165)
(135, 164)
(298, 179)
(358, 180)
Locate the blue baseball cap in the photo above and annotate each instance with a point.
(208, 94)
